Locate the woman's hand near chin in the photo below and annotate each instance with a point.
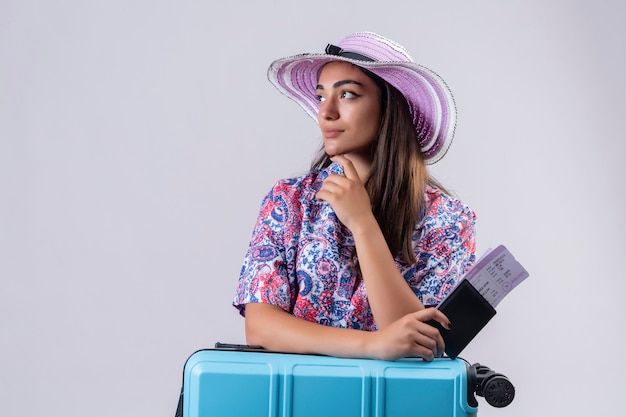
(347, 195)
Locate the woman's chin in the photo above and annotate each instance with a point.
(332, 151)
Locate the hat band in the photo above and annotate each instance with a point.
(337, 51)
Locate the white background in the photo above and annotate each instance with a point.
(137, 138)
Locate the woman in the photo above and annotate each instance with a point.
(344, 259)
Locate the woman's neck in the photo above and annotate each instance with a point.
(362, 164)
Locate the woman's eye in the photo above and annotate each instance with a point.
(348, 94)
(321, 99)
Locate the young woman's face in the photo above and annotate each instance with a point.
(349, 114)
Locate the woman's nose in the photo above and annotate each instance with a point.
(328, 110)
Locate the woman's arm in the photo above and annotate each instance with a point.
(275, 329)
(390, 296)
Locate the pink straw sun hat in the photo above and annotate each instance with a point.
(430, 100)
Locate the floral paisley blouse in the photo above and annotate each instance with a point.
(299, 255)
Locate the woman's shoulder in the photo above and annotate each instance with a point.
(305, 185)
(442, 207)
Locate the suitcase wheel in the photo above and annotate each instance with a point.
(496, 388)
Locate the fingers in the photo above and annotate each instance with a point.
(411, 336)
(331, 187)
(429, 337)
(335, 182)
(348, 167)
(428, 347)
(433, 314)
(336, 185)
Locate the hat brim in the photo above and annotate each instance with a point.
(429, 98)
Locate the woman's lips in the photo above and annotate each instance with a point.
(331, 133)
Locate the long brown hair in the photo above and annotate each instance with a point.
(398, 175)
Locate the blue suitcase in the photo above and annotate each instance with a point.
(237, 381)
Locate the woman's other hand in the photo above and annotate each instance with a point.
(411, 336)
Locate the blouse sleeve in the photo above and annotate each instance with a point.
(445, 251)
(264, 276)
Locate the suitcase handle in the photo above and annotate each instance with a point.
(234, 346)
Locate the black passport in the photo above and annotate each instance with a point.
(468, 312)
